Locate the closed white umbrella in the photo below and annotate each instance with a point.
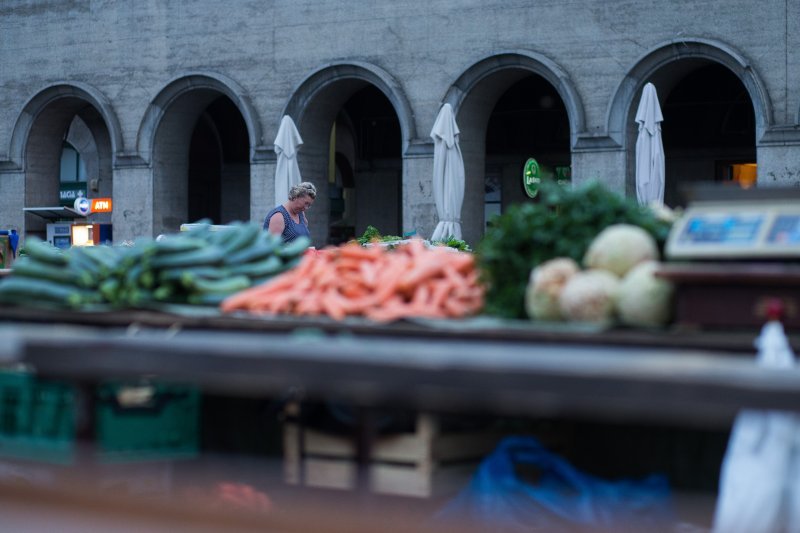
(759, 486)
(287, 173)
(649, 149)
(448, 175)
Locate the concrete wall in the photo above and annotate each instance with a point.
(122, 56)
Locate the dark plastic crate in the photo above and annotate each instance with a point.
(37, 419)
(147, 421)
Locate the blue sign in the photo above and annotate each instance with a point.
(83, 205)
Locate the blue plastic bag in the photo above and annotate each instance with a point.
(562, 498)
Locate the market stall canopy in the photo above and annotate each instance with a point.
(287, 173)
(650, 173)
(448, 175)
(54, 213)
(760, 480)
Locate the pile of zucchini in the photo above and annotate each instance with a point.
(201, 266)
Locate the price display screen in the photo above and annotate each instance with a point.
(722, 229)
(784, 230)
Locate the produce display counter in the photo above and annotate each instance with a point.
(449, 368)
(479, 366)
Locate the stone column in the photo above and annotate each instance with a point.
(12, 200)
(262, 187)
(419, 207)
(132, 214)
(778, 156)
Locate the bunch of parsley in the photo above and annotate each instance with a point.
(561, 224)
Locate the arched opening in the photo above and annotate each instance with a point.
(528, 121)
(510, 114)
(201, 167)
(352, 151)
(714, 105)
(709, 131)
(67, 154)
(365, 187)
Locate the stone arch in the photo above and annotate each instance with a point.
(315, 105)
(665, 66)
(214, 82)
(473, 97)
(651, 67)
(76, 91)
(353, 70)
(527, 62)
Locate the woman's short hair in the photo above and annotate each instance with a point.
(303, 189)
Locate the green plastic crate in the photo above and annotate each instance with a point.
(37, 419)
(147, 421)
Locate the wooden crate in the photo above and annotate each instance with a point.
(427, 462)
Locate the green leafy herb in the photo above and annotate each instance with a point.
(562, 224)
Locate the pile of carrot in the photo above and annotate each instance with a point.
(383, 285)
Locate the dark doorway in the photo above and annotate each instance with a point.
(708, 131)
(528, 121)
(219, 171)
(365, 179)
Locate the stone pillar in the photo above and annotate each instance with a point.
(132, 215)
(262, 188)
(12, 200)
(779, 162)
(601, 158)
(419, 207)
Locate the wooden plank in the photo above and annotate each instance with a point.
(389, 479)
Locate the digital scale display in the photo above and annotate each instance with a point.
(737, 230)
(722, 229)
(785, 230)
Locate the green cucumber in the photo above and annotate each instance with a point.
(239, 237)
(29, 268)
(270, 265)
(227, 285)
(262, 248)
(294, 248)
(110, 290)
(210, 255)
(179, 243)
(207, 298)
(78, 260)
(45, 252)
(177, 274)
(164, 292)
(105, 256)
(31, 291)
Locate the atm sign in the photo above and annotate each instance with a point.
(101, 205)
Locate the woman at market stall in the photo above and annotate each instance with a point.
(288, 219)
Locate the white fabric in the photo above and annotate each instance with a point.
(287, 173)
(759, 484)
(448, 175)
(649, 149)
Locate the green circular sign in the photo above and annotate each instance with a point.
(531, 177)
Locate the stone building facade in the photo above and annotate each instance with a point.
(173, 105)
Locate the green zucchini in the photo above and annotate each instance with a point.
(178, 243)
(270, 265)
(31, 291)
(294, 248)
(228, 285)
(29, 268)
(208, 298)
(239, 237)
(78, 260)
(44, 252)
(105, 256)
(177, 274)
(110, 290)
(210, 255)
(260, 249)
